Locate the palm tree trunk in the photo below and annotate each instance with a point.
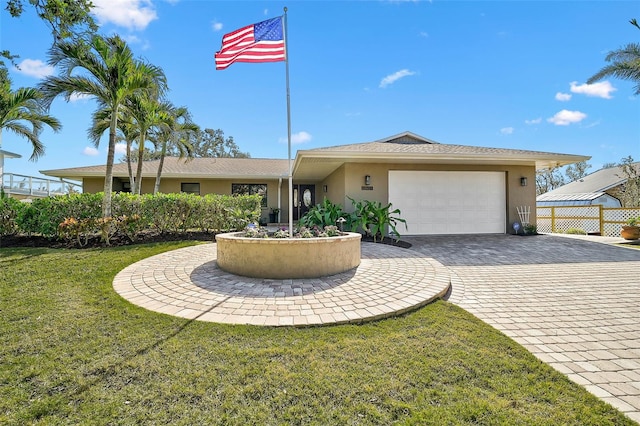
(139, 168)
(129, 168)
(156, 188)
(108, 178)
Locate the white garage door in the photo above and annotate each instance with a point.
(449, 202)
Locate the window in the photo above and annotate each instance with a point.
(190, 188)
(126, 186)
(251, 189)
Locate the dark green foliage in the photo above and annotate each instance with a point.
(323, 214)
(10, 208)
(78, 216)
(370, 217)
(375, 219)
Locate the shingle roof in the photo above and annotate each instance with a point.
(197, 167)
(318, 163)
(410, 144)
(598, 181)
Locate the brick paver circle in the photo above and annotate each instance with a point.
(188, 283)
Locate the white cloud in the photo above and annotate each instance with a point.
(506, 130)
(91, 151)
(534, 121)
(121, 148)
(79, 97)
(566, 117)
(35, 68)
(392, 78)
(131, 14)
(297, 138)
(424, 34)
(563, 97)
(217, 26)
(602, 89)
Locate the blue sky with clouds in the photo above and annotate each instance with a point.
(508, 74)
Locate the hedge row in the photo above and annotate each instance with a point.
(80, 215)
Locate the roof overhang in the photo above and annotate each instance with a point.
(7, 154)
(317, 165)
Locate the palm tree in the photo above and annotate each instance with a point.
(146, 113)
(111, 75)
(178, 126)
(22, 106)
(126, 132)
(625, 64)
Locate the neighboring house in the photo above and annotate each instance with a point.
(5, 154)
(439, 188)
(600, 187)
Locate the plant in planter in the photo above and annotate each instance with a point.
(273, 214)
(631, 231)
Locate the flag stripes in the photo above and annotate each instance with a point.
(261, 42)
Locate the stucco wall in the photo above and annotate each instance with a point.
(335, 182)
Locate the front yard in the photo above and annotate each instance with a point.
(73, 352)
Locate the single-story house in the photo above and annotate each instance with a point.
(600, 187)
(439, 188)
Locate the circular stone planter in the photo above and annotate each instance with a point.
(287, 258)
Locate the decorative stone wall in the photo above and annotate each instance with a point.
(287, 258)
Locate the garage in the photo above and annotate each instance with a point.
(455, 202)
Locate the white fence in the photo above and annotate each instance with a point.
(592, 219)
(30, 186)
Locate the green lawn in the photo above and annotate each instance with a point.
(73, 352)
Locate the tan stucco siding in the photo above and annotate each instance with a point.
(335, 183)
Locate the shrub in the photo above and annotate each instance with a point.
(10, 209)
(323, 214)
(78, 216)
(576, 231)
(374, 218)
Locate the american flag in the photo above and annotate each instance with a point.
(261, 42)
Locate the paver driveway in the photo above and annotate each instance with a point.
(574, 304)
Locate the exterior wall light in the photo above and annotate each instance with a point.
(367, 180)
(523, 181)
(325, 188)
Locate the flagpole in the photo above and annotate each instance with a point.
(286, 60)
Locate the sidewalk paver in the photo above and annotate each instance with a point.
(188, 283)
(571, 302)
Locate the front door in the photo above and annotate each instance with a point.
(304, 197)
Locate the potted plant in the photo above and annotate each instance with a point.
(273, 215)
(631, 231)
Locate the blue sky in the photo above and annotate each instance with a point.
(506, 74)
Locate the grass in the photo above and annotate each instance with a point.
(73, 352)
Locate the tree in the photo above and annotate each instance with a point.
(177, 129)
(625, 64)
(577, 171)
(548, 179)
(212, 143)
(145, 112)
(629, 192)
(22, 106)
(126, 132)
(111, 75)
(66, 18)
